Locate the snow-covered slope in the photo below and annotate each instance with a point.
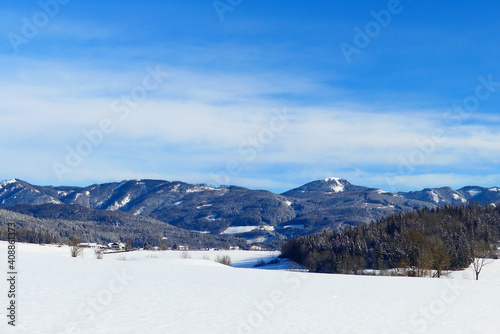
(330, 185)
(158, 292)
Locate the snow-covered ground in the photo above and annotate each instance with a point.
(161, 292)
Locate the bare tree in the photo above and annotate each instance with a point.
(99, 254)
(424, 261)
(74, 247)
(440, 257)
(478, 264)
(481, 253)
(128, 244)
(162, 244)
(225, 259)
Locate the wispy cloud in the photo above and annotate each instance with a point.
(197, 120)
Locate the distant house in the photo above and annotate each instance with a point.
(234, 248)
(90, 245)
(183, 248)
(117, 246)
(255, 248)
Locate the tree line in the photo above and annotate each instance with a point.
(57, 224)
(422, 242)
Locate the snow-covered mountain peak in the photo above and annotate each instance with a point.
(336, 184)
(330, 185)
(474, 191)
(380, 191)
(10, 185)
(6, 182)
(329, 179)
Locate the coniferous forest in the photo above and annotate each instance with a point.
(423, 241)
(53, 224)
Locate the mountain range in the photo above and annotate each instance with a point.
(259, 216)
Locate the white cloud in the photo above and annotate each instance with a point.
(196, 121)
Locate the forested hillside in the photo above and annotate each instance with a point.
(51, 223)
(445, 238)
(261, 217)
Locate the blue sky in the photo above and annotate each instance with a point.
(397, 95)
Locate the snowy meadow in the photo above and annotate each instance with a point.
(179, 292)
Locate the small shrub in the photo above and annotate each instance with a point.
(384, 272)
(185, 255)
(99, 254)
(74, 247)
(260, 263)
(76, 251)
(225, 259)
(206, 257)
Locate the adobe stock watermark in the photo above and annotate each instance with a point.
(249, 149)
(291, 282)
(121, 109)
(364, 36)
(421, 320)
(458, 113)
(223, 6)
(32, 26)
(92, 306)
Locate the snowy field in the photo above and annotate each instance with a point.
(160, 292)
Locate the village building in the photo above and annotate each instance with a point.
(118, 246)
